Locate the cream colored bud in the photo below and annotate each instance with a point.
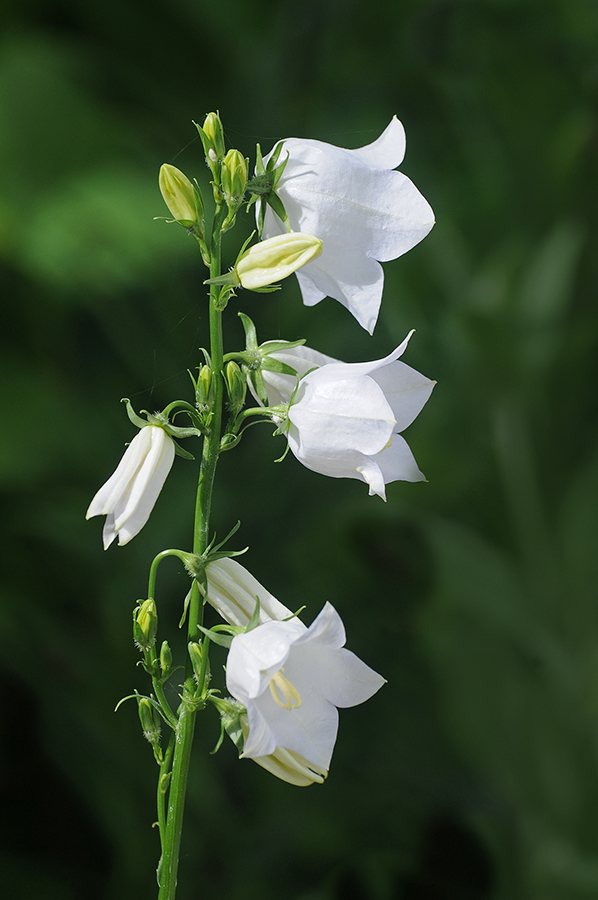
(276, 258)
(179, 195)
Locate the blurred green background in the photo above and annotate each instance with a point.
(474, 773)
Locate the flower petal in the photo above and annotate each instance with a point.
(309, 729)
(387, 151)
(326, 629)
(405, 390)
(260, 741)
(133, 457)
(369, 471)
(291, 767)
(133, 509)
(256, 656)
(397, 463)
(334, 414)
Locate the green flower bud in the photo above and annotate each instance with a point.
(150, 721)
(236, 385)
(276, 258)
(165, 658)
(180, 196)
(145, 624)
(233, 179)
(202, 390)
(195, 654)
(214, 132)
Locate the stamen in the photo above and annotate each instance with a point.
(283, 692)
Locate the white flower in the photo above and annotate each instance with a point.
(359, 207)
(345, 419)
(286, 765)
(128, 496)
(232, 591)
(291, 679)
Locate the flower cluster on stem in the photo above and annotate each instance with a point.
(330, 216)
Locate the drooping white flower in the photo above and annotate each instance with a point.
(345, 419)
(362, 210)
(291, 679)
(232, 591)
(128, 496)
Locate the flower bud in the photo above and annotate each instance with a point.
(180, 195)
(165, 658)
(202, 388)
(150, 721)
(145, 624)
(236, 386)
(195, 655)
(233, 179)
(276, 258)
(214, 132)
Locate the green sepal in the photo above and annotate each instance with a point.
(250, 332)
(223, 640)
(262, 187)
(267, 289)
(134, 418)
(255, 618)
(180, 452)
(277, 206)
(230, 712)
(275, 365)
(185, 608)
(278, 346)
(230, 279)
(229, 441)
(257, 380)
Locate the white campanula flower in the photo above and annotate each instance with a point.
(232, 591)
(130, 493)
(345, 419)
(291, 679)
(363, 211)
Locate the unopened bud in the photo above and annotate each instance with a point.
(276, 258)
(150, 720)
(196, 656)
(236, 385)
(181, 197)
(145, 624)
(202, 391)
(165, 658)
(233, 179)
(214, 132)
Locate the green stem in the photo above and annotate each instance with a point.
(188, 708)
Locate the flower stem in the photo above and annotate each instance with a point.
(188, 708)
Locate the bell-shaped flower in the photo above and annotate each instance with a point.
(287, 765)
(362, 210)
(291, 679)
(345, 419)
(128, 496)
(232, 591)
